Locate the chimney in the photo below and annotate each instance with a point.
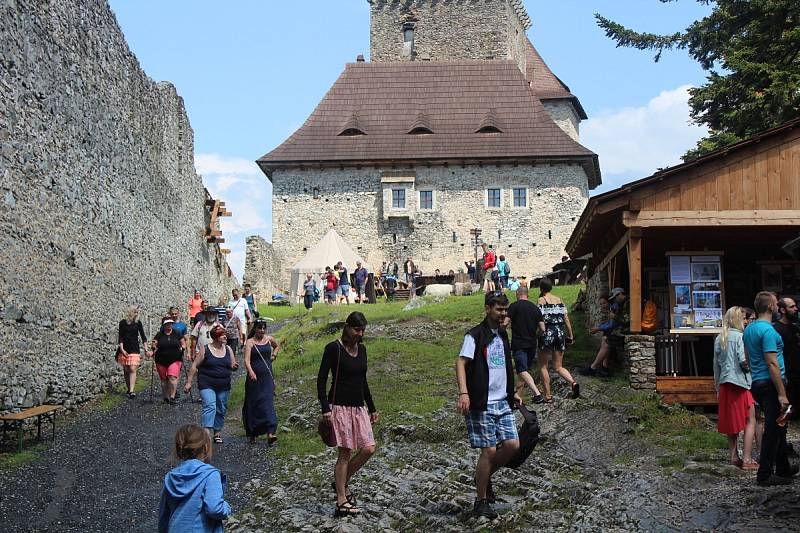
(360, 58)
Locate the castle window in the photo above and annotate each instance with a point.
(426, 200)
(520, 197)
(408, 32)
(398, 198)
(494, 198)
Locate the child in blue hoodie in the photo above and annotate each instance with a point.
(192, 499)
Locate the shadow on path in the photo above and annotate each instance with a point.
(105, 471)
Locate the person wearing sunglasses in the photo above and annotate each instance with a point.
(258, 411)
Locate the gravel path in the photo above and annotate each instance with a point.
(105, 471)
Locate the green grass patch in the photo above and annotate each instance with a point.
(298, 443)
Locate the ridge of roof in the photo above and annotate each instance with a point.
(544, 83)
(453, 95)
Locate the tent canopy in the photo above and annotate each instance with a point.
(327, 252)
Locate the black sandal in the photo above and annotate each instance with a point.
(272, 439)
(347, 493)
(218, 438)
(576, 390)
(548, 399)
(346, 509)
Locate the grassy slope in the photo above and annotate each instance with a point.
(427, 380)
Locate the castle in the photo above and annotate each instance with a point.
(455, 124)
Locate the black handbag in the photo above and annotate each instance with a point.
(528, 437)
(325, 427)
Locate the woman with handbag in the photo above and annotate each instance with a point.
(213, 366)
(258, 411)
(343, 411)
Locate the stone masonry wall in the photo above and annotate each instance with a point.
(447, 30)
(563, 114)
(596, 286)
(351, 201)
(262, 268)
(101, 206)
(640, 357)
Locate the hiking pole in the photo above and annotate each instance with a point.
(186, 379)
(152, 358)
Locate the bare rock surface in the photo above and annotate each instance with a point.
(588, 474)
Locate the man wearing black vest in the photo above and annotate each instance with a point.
(485, 374)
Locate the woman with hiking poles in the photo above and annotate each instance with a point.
(169, 345)
(258, 411)
(213, 366)
(343, 407)
(128, 349)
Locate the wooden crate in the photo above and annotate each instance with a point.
(687, 390)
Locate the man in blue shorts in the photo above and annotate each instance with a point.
(485, 374)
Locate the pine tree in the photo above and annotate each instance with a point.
(751, 50)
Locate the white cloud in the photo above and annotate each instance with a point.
(247, 195)
(633, 142)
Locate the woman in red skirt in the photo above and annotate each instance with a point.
(732, 380)
(343, 406)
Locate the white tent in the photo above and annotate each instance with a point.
(327, 252)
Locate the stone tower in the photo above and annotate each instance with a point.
(446, 30)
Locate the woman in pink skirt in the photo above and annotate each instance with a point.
(343, 407)
(732, 380)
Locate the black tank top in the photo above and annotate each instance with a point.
(215, 372)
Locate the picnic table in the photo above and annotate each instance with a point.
(17, 421)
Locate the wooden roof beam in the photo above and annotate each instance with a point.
(755, 217)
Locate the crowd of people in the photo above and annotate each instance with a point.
(757, 375)
(753, 357)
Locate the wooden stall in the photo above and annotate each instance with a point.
(695, 239)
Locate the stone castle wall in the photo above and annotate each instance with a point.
(262, 268)
(563, 114)
(352, 201)
(101, 205)
(447, 30)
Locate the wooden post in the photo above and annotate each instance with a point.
(635, 269)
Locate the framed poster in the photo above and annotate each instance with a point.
(707, 299)
(708, 318)
(679, 270)
(683, 296)
(704, 272)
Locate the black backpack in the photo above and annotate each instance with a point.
(528, 437)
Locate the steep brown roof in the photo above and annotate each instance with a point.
(544, 83)
(454, 96)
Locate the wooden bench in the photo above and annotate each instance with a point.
(17, 421)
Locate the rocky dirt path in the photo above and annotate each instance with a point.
(105, 471)
(588, 474)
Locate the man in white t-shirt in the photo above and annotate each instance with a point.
(240, 310)
(201, 333)
(485, 375)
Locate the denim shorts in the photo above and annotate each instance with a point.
(524, 360)
(488, 428)
(344, 290)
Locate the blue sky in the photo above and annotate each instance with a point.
(252, 73)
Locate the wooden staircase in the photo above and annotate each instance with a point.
(402, 294)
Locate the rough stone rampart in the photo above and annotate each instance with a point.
(101, 206)
(262, 268)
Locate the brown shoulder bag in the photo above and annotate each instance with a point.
(325, 427)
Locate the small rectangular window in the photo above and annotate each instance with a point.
(521, 197)
(493, 198)
(398, 198)
(426, 200)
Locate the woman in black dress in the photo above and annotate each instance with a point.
(258, 411)
(128, 350)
